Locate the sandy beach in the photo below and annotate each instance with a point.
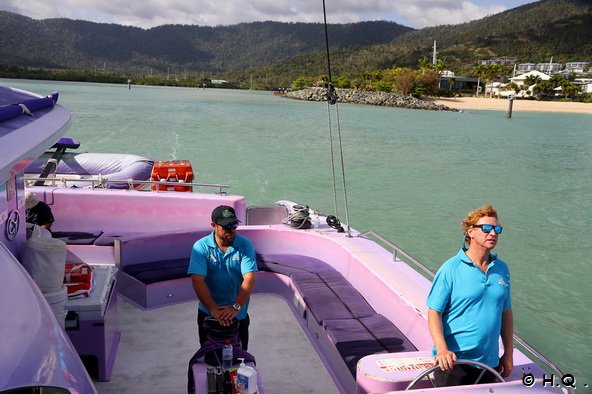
(480, 103)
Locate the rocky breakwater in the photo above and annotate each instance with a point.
(367, 97)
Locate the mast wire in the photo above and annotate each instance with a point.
(332, 159)
(327, 42)
(332, 100)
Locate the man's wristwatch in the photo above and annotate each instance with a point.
(237, 307)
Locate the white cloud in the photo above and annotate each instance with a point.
(150, 13)
(443, 12)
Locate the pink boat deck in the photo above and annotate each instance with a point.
(390, 287)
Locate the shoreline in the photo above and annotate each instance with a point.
(367, 97)
(495, 104)
(454, 104)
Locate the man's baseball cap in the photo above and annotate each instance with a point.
(224, 216)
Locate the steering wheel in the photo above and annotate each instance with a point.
(485, 367)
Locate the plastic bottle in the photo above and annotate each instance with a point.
(227, 355)
(227, 382)
(246, 379)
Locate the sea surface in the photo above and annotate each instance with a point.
(410, 175)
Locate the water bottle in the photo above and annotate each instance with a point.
(227, 355)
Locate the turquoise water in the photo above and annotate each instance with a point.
(411, 176)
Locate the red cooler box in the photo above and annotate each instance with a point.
(179, 171)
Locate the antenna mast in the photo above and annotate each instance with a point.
(434, 56)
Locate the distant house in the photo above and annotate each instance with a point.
(218, 81)
(519, 80)
(585, 84)
(576, 67)
(494, 88)
(457, 83)
(525, 67)
(549, 68)
(509, 61)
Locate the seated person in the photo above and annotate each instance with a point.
(38, 212)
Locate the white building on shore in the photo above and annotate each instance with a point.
(551, 68)
(520, 79)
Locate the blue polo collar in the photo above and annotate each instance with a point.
(462, 256)
(211, 242)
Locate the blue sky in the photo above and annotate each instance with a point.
(150, 13)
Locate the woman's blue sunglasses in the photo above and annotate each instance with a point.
(486, 228)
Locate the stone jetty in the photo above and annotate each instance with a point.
(355, 96)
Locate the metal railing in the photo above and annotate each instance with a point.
(132, 184)
(399, 251)
(523, 345)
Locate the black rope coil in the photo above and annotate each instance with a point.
(299, 218)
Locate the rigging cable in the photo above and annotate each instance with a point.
(332, 100)
(332, 158)
(329, 116)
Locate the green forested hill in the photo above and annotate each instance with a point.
(278, 53)
(64, 43)
(531, 33)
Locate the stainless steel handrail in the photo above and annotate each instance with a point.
(523, 344)
(398, 250)
(102, 183)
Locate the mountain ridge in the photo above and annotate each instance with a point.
(281, 52)
(84, 44)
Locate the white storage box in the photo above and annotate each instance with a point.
(93, 306)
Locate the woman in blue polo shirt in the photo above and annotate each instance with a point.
(470, 306)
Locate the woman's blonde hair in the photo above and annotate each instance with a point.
(473, 217)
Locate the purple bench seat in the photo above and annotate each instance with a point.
(338, 302)
(153, 266)
(108, 238)
(289, 264)
(327, 294)
(307, 280)
(158, 271)
(98, 238)
(77, 237)
(351, 324)
(357, 338)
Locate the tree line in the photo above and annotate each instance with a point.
(425, 81)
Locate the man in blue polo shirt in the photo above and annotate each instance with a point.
(470, 306)
(222, 268)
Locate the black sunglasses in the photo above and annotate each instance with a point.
(230, 227)
(486, 228)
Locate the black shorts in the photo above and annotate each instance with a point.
(462, 374)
